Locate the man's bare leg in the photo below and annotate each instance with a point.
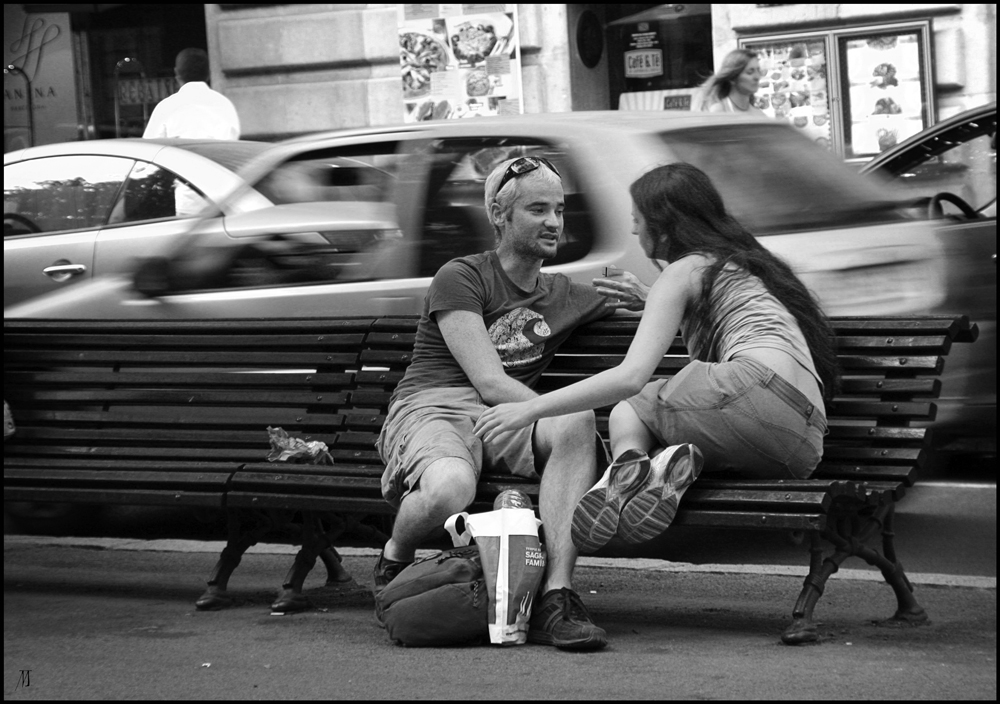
(558, 616)
(446, 487)
(567, 444)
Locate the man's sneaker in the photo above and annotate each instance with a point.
(595, 519)
(652, 509)
(385, 571)
(559, 618)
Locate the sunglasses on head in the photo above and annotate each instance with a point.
(525, 165)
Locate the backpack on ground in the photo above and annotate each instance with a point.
(438, 600)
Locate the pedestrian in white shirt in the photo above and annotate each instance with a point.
(195, 111)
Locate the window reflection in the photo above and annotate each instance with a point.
(62, 193)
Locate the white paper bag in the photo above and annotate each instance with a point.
(513, 564)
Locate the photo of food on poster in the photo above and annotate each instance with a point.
(794, 87)
(459, 61)
(885, 101)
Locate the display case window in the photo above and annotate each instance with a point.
(857, 91)
(885, 90)
(795, 85)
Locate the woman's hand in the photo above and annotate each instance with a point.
(624, 291)
(502, 419)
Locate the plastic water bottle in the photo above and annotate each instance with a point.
(512, 498)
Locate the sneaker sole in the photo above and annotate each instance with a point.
(595, 519)
(595, 641)
(652, 510)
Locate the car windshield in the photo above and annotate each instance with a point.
(773, 180)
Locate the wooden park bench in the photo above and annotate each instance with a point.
(177, 413)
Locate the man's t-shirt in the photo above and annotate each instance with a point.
(526, 327)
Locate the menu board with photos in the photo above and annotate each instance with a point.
(794, 86)
(855, 90)
(459, 61)
(884, 90)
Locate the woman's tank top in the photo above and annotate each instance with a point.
(747, 316)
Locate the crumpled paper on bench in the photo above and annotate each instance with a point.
(285, 448)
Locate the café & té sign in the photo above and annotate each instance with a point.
(644, 57)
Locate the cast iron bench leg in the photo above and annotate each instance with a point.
(217, 596)
(316, 542)
(908, 611)
(803, 628)
(849, 539)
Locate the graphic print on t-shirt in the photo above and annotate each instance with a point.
(519, 337)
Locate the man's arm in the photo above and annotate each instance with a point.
(470, 344)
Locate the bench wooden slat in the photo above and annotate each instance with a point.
(188, 415)
(27, 453)
(750, 519)
(230, 358)
(237, 397)
(26, 468)
(248, 471)
(126, 496)
(920, 410)
(176, 378)
(213, 326)
(184, 342)
(862, 472)
(183, 435)
(871, 433)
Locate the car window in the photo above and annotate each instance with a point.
(355, 173)
(961, 161)
(333, 221)
(61, 193)
(154, 193)
(773, 180)
(455, 222)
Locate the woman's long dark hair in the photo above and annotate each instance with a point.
(684, 214)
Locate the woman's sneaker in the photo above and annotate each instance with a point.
(652, 509)
(595, 519)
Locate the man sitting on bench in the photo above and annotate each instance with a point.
(491, 324)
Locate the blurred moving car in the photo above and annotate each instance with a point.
(948, 175)
(79, 209)
(362, 219)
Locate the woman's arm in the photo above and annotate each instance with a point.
(668, 298)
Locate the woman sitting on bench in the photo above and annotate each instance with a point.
(750, 400)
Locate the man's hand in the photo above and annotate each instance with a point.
(503, 419)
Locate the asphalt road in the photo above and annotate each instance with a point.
(113, 621)
(109, 613)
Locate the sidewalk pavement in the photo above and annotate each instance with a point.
(111, 618)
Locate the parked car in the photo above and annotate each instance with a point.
(80, 209)
(948, 175)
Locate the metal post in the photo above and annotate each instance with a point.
(11, 68)
(142, 74)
